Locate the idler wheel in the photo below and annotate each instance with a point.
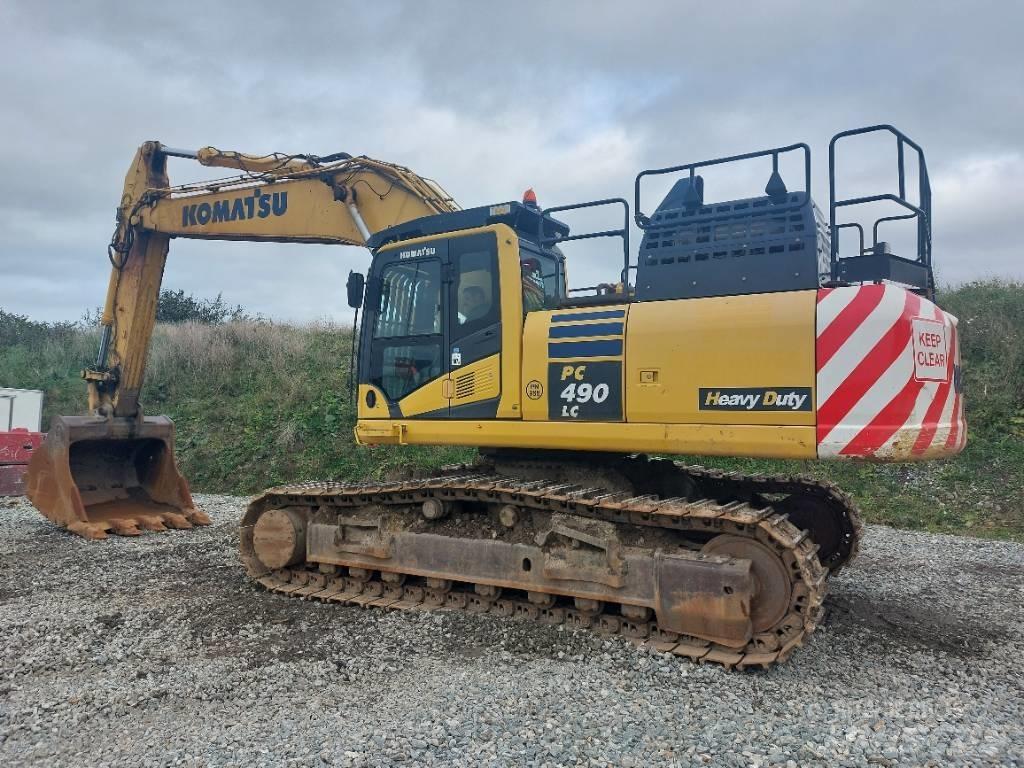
(279, 538)
(773, 589)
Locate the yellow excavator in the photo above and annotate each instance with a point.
(737, 329)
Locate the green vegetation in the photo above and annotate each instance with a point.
(258, 404)
(179, 307)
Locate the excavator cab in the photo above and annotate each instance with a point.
(445, 297)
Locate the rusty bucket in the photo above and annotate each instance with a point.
(93, 475)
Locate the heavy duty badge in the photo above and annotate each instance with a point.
(755, 399)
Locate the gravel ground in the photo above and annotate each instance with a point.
(156, 651)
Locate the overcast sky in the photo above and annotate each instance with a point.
(572, 99)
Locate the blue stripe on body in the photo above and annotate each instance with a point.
(576, 331)
(572, 349)
(604, 314)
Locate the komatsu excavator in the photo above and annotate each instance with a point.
(737, 330)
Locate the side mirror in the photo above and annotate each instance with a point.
(355, 285)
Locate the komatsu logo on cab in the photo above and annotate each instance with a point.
(415, 253)
(258, 205)
(755, 399)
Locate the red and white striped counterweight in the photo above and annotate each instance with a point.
(888, 376)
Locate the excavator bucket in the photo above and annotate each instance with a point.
(94, 475)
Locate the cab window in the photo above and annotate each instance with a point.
(405, 367)
(410, 302)
(408, 327)
(476, 291)
(542, 283)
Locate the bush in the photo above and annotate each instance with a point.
(991, 315)
(179, 307)
(19, 330)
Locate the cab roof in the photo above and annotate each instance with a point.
(526, 222)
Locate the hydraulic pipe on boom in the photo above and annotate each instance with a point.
(114, 469)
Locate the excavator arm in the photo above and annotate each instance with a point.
(114, 469)
(279, 198)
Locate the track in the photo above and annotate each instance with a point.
(739, 520)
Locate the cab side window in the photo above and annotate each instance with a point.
(476, 292)
(542, 281)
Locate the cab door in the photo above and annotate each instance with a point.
(407, 340)
(474, 326)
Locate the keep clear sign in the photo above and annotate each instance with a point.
(931, 348)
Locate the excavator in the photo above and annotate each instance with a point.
(737, 329)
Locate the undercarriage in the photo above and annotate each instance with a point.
(714, 566)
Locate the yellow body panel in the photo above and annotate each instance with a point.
(711, 440)
(535, 364)
(480, 380)
(670, 350)
(380, 406)
(510, 280)
(535, 355)
(432, 396)
(760, 340)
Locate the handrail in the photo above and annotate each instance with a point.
(874, 229)
(644, 222)
(921, 212)
(623, 233)
(860, 231)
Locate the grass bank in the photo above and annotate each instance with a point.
(258, 404)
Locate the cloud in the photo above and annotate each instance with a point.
(571, 98)
(977, 213)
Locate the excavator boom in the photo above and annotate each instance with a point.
(114, 469)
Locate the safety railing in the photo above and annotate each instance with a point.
(623, 233)
(775, 188)
(875, 262)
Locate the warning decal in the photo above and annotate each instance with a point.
(930, 350)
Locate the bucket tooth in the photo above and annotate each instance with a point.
(197, 516)
(125, 526)
(94, 531)
(92, 475)
(179, 522)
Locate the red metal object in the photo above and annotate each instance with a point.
(16, 449)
